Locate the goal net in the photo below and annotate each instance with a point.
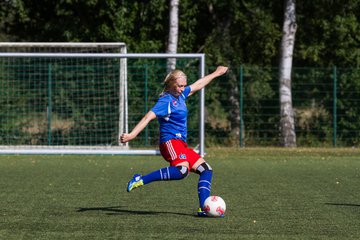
(73, 98)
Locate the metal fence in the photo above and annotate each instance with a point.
(242, 107)
(325, 103)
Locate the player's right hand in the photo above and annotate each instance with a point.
(125, 137)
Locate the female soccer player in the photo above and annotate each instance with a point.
(171, 112)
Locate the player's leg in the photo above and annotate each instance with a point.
(199, 166)
(204, 185)
(163, 174)
(172, 151)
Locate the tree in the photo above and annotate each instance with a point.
(287, 125)
(8, 9)
(173, 33)
(329, 35)
(239, 32)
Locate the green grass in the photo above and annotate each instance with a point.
(270, 194)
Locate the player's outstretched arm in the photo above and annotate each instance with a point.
(202, 82)
(126, 137)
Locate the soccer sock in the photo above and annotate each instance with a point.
(204, 186)
(168, 173)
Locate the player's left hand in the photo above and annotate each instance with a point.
(220, 70)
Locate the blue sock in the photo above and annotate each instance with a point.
(163, 174)
(204, 186)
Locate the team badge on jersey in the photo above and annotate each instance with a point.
(174, 102)
(182, 156)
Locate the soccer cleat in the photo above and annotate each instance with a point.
(202, 213)
(135, 182)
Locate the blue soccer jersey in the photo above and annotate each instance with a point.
(171, 113)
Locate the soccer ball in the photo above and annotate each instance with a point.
(215, 206)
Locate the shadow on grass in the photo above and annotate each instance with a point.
(116, 210)
(343, 204)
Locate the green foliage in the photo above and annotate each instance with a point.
(230, 32)
(348, 111)
(328, 34)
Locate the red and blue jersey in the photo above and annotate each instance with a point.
(171, 113)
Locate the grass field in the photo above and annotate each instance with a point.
(270, 194)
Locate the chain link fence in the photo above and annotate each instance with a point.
(242, 107)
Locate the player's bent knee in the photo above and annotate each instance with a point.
(183, 170)
(203, 167)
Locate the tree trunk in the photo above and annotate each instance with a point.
(234, 112)
(287, 125)
(173, 33)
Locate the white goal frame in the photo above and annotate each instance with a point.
(63, 150)
(120, 46)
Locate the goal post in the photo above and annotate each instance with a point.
(81, 47)
(123, 114)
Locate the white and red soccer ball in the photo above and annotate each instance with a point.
(215, 206)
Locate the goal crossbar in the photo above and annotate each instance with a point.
(201, 58)
(105, 55)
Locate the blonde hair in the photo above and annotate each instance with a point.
(170, 79)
